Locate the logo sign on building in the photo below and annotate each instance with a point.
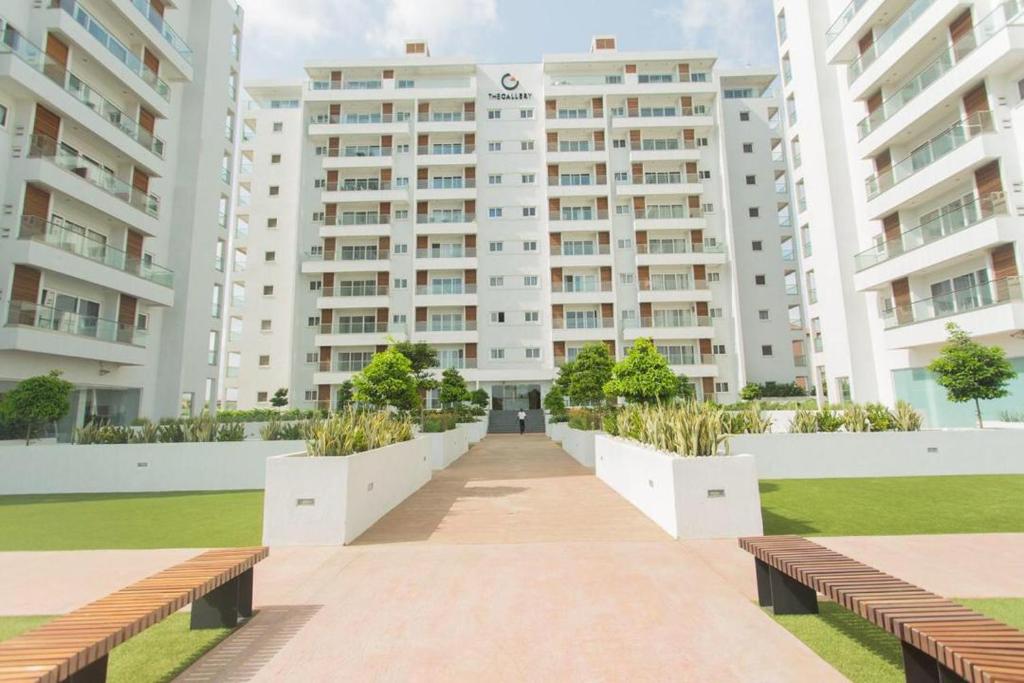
(510, 91)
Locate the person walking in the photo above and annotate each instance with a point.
(522, 421)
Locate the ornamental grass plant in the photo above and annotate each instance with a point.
(687, 429)
(353, 431)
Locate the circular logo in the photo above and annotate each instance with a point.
(509, 82)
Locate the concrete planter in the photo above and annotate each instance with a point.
(932, 452)
(130, 468)
(475, 430)
(331, 501)
(579, 444)
(713, 497)
(446, 447)
(556, 430)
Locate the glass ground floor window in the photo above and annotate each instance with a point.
(515, 397)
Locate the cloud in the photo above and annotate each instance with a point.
(300, 21)
(738, 30)
(447, 25)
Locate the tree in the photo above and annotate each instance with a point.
(344, 397)
(554, 403)
(686, 390)
(479, 398)
(969, 371)
(751, 392)
(422, 358)
(643, 376)
(453, 388)
(36, 402)
(387, 381)
(280, 398)
(588, 374)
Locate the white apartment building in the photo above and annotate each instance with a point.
(508, 214)
(907, 167)
(117, 128)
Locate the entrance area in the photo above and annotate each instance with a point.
(515, 397)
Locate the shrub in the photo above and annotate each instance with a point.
(589, 419)
(905, 418)
(643, 376)
(265, 415)
(969, 371)
(855, 418)
(880, 418)
(452, 391)
(147, 432)
(586, 376)
(101, 433)
(480, 399)
(36, 402)
(687, 429)
(276, 430)
(782, 389)
(234, 431)
(610, 424)
(1007, 416)
(828, 420)
(554, 403)
(280, 398)
(751, 392)
(804, 422)
(387, 381)
(349, 432)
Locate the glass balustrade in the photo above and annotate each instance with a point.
(26, 314)
(965, 300)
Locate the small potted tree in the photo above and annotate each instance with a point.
(37, 402)
(969, 371)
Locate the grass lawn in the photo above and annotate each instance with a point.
(131, 520)
(867, 654)
(893, 505)
(157, 654)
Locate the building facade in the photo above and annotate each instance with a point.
(906, 162)
(508, 215)
(117, 127)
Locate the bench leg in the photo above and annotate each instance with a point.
(218, 608)
(245, 594)
(920, 667)
(764, 583)
(94, 673)
(789, 596)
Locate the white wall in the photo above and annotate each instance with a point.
(579, 444)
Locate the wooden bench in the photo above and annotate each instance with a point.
(74, 647)
(942, 640)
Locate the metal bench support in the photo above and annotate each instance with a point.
(789, 596)
(93, 673)
(920, 667)
(764, 583)
(220, 608)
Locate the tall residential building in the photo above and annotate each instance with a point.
(508, 214)
(117, 128)
(902, 118)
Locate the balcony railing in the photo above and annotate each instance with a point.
(113, 45)
(447, 251)
(162, 27)
(357, 219)
(345, 85)
(446, 184)
(445, 289)
(677, 359)
(679, 284)
(445, 326)
(461, 217)
(359, 185)
(671, 321)
(582, 323)
(359, 119)
(949, 140)
(445, 117)
(356, 327)
(359, 151)
(355, 289)
(667, 212)
(31, 54)
(576, 146)
(337, 365)
(843, 20)
(443, 149)
(679, 246)
(581, 287)
(959, 301)
(457, 363)
(582, 249)
(407, 83)
(662, 179)
(665, 112)
(595, 215)
(888, 38)
(948, 57)
(662, 145)
(361, 254)
(26, 314)
(570, 115)
(43, 147)
(62, 237)
(945, 224)
(607, 79)
(577, 181)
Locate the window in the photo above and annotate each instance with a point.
(142, 321)
(3, 116)
(271, 222)
(278, 126)
(261, 397)
(264, 361)
(311, 395)
(497, 317)
(626, 278)
(629, 314)
(274, 190)
(401, 214)
(754, 212)
(497, 281)
(313, 358)
(318, 216)
(619, 143)
(707, 207)
(401, 248)
(721, 387)
(316, 285)
(494, 212)
(400, 283)
(266, 325)
(759, 279)
(718, 349)
(275, 158)
(532, 353)
(748, 147)
(313, 321)
(751, 180)
(625, 243)
(531, 316)
(528, 179)
(398, 319)
(744, 116)
(494, 179)
(214, 347)
(530, 246)
(716, 312)
(494, 247)
(526, 146)
(621, 176)
(622, 209)
(703, 174)
(497, 354)
(714, 277)
(493, 114)
(763, 314)
(493, 146)
(529, 211)
(530, 281)
(766, 350)
(270, 256)
(757, 245)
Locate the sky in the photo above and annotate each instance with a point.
(281, 35)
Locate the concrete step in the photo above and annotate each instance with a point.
(507, 422)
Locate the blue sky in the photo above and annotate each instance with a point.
(282, 34)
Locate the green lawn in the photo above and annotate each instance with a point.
(157, 654)
(867, 654)
(131, 520)
(893, 505)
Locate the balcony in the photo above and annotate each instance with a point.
(446, 294)
(688, 326)
(582, 328)
(887, 39)
(679, 251)
(568, 151)
(678, 288)
(113, 45)
(843, 20)
(346, 259)
(447, 331)
(14, 43)
(986, 309)
(443, 222)
(171, 46)
(579, 218)
(362, 190)
(358, 333)
(664, 149)
(446, 188)
(581, 253)
(573, 119)
(671, 182)
(449, 257)
(458, 87)
(671, 117)
(446, 122)
(34, 328)
(361, 223)
(353, 295)
(359, 124)
(444, 154)
(582, 291)
(672, 217)
(43, 147)
(577, 185)
(358, 156)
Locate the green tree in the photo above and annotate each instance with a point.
(686, 390)
(387, 381)
(591, 370)
(643, 376)
(280, 398)
(453, 388)
(751, 392)
(554, 403)
(422, 358)
(36, 402)
(344, 398)
(480, 399)
(969, 371)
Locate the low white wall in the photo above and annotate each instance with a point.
(130, 468)
(713, 497)
(446, 447)
(579, 444)
(331, 501)
(6, 443)
(556, 430)
(884, 454)
(475, 430)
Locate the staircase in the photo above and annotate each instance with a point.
(506, 422)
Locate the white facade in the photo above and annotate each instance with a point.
(509, 214)
(117, 123)
(906, 162)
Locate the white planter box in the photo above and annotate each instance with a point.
(331, 501)
(477, 430)
(446, 447)
(579, 444)
(130, 468)
(556, 430)
(713, 497)
(932, 452)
